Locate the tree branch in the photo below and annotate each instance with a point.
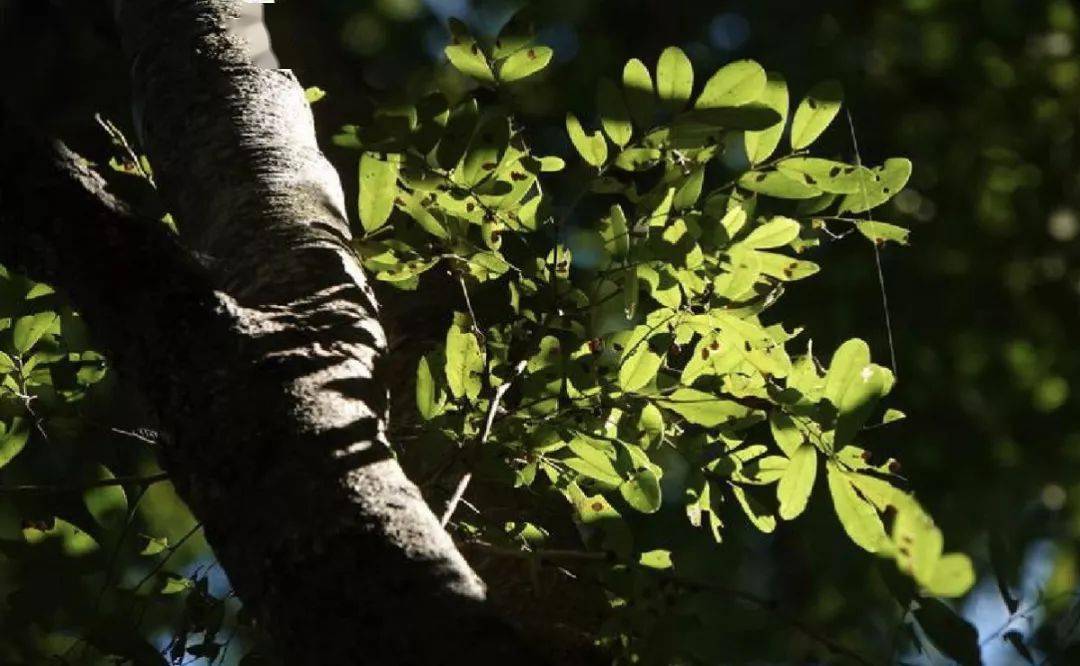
(261, 358)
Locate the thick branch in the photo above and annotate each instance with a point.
(260, 360)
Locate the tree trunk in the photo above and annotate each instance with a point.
(255, 337)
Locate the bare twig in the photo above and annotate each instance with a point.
(142, 481)
(463, 484)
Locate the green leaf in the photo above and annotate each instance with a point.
(378, 188)
(784, 431)
(176, 584)
(776, 184)
(656, 559)
(776, 232)
(759, 516)
(674, 78)
(847, 362)
(651, 422)
(876, 186)
(467, 57)
(426, 402)
(734, 84)
(464, 363)
(519, 32)
(919, 553)
(760, 145)
(638, 159)
(854, 385)
(703, 408)
(314, 94)
(690, 191)
(952, 634)
(154, 545)
(882, 232)
(13, 440)
(793, 490)
(859, 399)
(785, 268)
(484, 152)
(642, 491)
(638, 86)
(524, 63)
(891, 415)
(459, 130)
(698, 126)
(31, 328)
(858, 517)
(591, 147)
(107, 504)
(814, 113)
(615, 232)
(638, 368)
(614, 116)
(417, 211)
(829, 176)
(7, 365)
(592, 463)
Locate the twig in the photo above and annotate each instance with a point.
(540, 553)
(877, 252)
(142, 481)
(463, 484)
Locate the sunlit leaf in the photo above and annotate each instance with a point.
(703, 408)
(876, 186)
(524, 63)
(858, 517)
(642, 491)
(592, 147)
(638, 86)
(614, 116)
(882, 232)
(761, 144)
(814, 113)
(30, 329)
(734, 84)
(793, 490)
(674, 78)
(378, 188)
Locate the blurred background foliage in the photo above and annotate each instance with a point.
(984, 97)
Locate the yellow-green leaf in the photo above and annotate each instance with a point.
(814, 113)
(31, 328)
(638, 85)
(638, 368)
(778, 231)
(857, 516)
(642, 491)
(734, 84)
(882, 232)
(378, 189)
(524, 63)
(762, 143)
(674, 78)
(614, 116)
(591, 147)
(793, 490)
(703, 408)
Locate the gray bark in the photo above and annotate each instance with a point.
(261, 356)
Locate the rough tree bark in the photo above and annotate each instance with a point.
(255, 337)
